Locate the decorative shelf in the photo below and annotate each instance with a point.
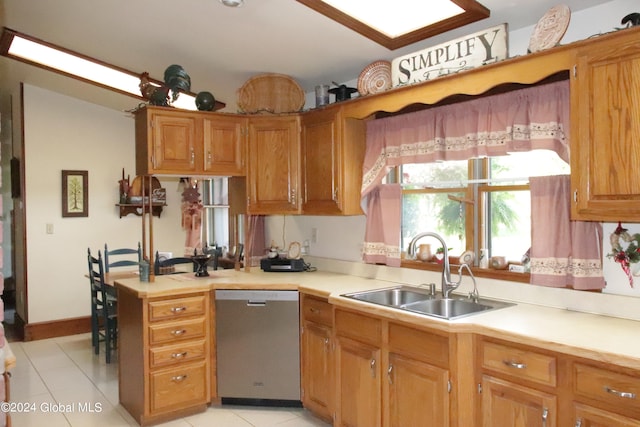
(136, 209)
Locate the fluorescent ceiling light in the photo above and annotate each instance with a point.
(405, 15)
(397, 23)
(45, 55)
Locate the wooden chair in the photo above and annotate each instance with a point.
(167, 265)
(128, 254)
(104, 308)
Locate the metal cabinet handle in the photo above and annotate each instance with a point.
(390, 373)
(209, 157)
(179, 355)
(515, 365)
(193, 157)
(179, 378)
(578, 422)
(373, 368)
(623, 394)
(545, 417)
(314, 310)
(178, 309)
(179, 332)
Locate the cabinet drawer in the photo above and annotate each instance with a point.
(420, 345)
(164, 333)
(185, 352)
(358, 327)
(613, 388)
(179, 387)
(176, 308)
(524, 364)
(317, 310)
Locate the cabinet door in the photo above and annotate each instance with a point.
(586, 416)
(224, 145)
(274, 165)
(174, 139)
(418, 393)
(317, 369)
(321, 159)
(509, 404)
(359, 386)
(606, 132)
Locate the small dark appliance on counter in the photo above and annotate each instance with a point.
(283, 264)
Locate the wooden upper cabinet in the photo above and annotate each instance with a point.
(605, 135)
(332, 154)
(179, 142)
(223, 141)
(273, 168)
(166, 142)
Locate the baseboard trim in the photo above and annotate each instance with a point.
(57, 328)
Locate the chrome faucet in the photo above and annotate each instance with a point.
(448, 286)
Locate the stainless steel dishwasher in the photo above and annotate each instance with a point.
(258, 347)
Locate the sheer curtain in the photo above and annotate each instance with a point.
(521, 120)
(564, 253)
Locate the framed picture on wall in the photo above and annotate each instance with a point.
(75, 193)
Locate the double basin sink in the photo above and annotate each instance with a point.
(421, 301)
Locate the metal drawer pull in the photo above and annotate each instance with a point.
(373, 368)
(624, 394)
(179, 378)
(178, 309)
(514, 365)
(179, 355)
(389, 374)
(314, 310)
(179, 332)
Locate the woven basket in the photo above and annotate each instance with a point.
(270, 93)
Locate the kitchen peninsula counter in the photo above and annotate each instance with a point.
(597, 337)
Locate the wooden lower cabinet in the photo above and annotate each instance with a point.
(508, 404)
(587, 416)
(390, 374)
(165, 356)
(604, 395)
(359, 389)
(518, 385)
(418, 393)
(317, 356)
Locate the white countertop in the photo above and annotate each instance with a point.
(597, 337)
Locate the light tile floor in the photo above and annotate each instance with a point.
(62, 381)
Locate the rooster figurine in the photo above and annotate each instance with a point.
(157, 95)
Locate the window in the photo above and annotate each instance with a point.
(215, 203)
(475, 204)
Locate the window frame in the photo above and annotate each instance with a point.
(477, 169)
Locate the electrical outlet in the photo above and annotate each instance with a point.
(49, 228)
(314, 235)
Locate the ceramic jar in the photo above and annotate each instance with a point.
(424, 252)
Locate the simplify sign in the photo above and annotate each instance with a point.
(474, 50)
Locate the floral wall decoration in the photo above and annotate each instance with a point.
(625, 250)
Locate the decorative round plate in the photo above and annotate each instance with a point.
(550, 28)
(375, 78)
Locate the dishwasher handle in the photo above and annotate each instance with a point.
(256, 303)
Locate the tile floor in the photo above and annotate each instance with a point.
(65, 371)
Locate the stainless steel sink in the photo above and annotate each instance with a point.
(398, 296)
(417, 300)
(453, 308)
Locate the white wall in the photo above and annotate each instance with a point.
(341, 237)
(63, 133)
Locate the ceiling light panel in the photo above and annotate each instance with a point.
(397, 23)
(404, 17)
